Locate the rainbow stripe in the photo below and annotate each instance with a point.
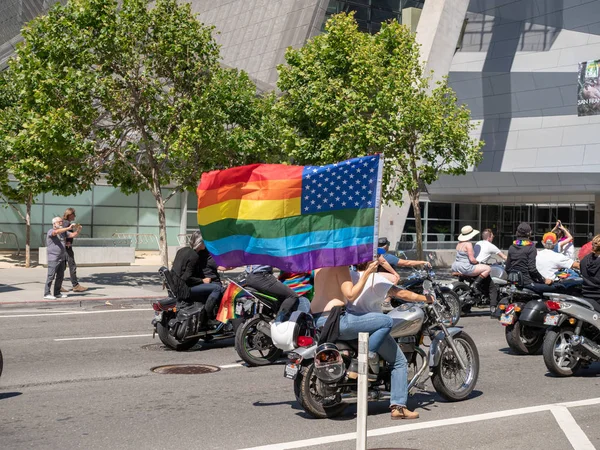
(296, 218)
(227, 307)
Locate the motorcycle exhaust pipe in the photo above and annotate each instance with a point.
(589, 347)
(264, 327)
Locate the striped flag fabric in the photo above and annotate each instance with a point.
(227, 306)
(295, 218)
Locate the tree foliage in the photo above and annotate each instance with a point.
(347, 93)
(138, 86)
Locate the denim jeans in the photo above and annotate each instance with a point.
(303, 306)
(378, 326)
(209, 291)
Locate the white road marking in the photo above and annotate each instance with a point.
(102, 337)
(439, 423)
(574, 433)
(231, 366)
(74, 313)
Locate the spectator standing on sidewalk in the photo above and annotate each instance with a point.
(57, 257)
(68, 218)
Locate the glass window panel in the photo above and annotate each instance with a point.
(581, 214)
(411, 213)
(467, 213)
(84, 198)
(361, 12)
(439, 210)
(581, 228)
(543, 214)
(393, 5)
(378, 15)
(192, 201)
(564, 214)
(439, 226)
(359, 2)
(111, 196)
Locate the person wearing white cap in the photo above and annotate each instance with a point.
(465, 262)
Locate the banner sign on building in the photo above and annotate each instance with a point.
(588, 88)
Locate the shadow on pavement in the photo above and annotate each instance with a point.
(133, 279)
(5, 395)
(19, 260)
(593, 371)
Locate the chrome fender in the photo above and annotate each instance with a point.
(434, 353)
(306, 352)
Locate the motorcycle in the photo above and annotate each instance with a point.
(522, 311)
(573, 341)
(182, 326)
(323, 383)
(468, 295)
(449, 300)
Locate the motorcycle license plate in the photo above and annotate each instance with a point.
(551, 319)
(291, 370)
(507, 319)
(158, 316)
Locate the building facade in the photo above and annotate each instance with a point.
(514, 63)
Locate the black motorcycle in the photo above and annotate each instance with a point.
(522, 311)
(470, 296)
(181, 325)
(449, 301)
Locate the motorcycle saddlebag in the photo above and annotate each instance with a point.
(533, 313)
(188, 321)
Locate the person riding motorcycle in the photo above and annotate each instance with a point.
(521, 258)
(590, 271)
(484, 250)
(465, 262)
(548, 262)
(334, 290)
(261, 278)
(196, 275)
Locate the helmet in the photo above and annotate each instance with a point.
(285, 334)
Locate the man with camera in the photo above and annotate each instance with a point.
(56, 252)
(68, 220)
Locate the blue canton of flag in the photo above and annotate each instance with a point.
(350, 184)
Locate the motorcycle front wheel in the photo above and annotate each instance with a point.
(524, 340)
(253, 346)
(305, 387)
(449, 379)
(558, 356)
(171, 342)
(451, 306)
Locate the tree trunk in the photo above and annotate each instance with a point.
(28, 231)
(414, 199)
(162, 223)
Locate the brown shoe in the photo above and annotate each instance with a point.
(62, 289)
(402, 412)
(79, 288)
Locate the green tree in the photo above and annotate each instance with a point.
(39, 151)
(347, 94)
(148, 96)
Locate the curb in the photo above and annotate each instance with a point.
(101, 300)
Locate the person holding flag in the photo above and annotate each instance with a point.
(301, 218)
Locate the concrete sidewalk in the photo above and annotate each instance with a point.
(20, 286)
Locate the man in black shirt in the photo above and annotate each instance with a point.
(590, 271)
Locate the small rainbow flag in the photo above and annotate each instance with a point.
(227, 308)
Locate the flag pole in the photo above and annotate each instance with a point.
(377, 204)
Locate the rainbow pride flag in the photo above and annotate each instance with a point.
(295, 218)
(227, 307)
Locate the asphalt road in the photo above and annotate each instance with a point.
(59, 390)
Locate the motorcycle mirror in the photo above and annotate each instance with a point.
(430, 257)
(427, 285)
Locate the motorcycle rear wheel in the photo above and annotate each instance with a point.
(171, 342)
(523, 340)
(446, 370)
(309, 399)
(558, 357)
(465, 308)
(249, 339)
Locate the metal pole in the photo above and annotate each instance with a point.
(363, 367)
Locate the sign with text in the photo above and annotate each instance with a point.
(588, 88)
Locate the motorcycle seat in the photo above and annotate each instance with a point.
(168, 302)
(462, 275)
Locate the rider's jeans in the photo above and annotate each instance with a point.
(378, 326)
(210, 291)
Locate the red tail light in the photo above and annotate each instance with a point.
(305, 341)
(509, 308)
(156, 307)
(553, 306)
